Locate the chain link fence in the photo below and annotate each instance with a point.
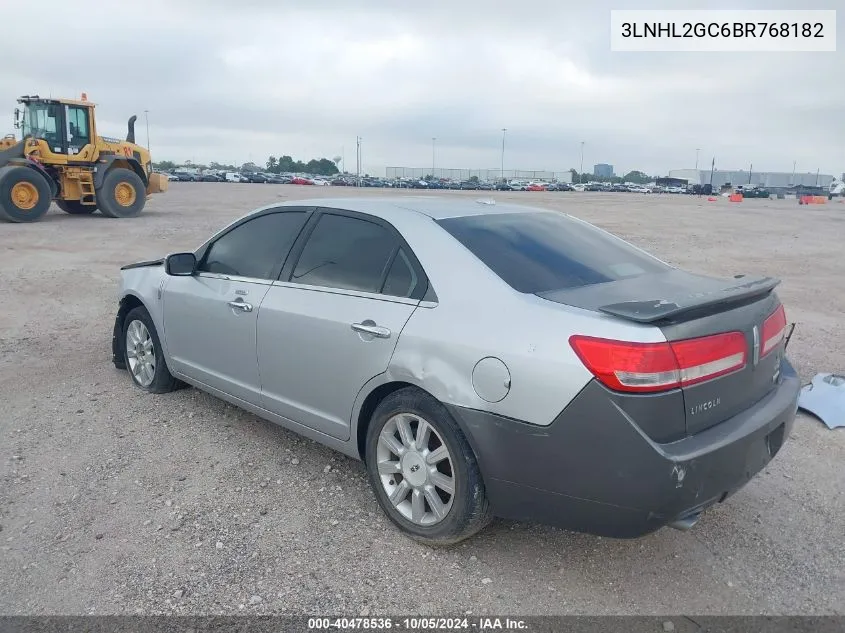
(484, 175)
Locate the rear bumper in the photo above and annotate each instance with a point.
(593, 470)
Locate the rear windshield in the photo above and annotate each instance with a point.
(540, 252)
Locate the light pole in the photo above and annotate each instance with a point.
(581, 172)
(504, 130)
(792, 178)
(147, 118)
(697, 149)
(358, 157)
(433, 142)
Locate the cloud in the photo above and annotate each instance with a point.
(229, 81)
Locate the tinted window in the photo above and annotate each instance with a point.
(345, 252)
(401, 278)
(256, 247)
(77, 123)
(538, 252)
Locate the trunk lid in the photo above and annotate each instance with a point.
(687, 306)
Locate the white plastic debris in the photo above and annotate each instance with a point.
(824, 397)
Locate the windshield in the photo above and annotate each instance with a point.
(40, 121)
(540, 252)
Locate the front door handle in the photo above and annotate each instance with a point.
(241, 305)
(368, 327)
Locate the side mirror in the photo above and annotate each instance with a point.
(18, 118)
(180, 264)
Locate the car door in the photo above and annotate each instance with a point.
(210, 317)
(332, 321)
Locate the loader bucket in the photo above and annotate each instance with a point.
(157, 184)
(15, 151)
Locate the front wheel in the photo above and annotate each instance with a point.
(423, 471)
(143, 355)
(24, 194)
(122, 194)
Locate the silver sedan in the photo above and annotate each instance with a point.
(481, 359)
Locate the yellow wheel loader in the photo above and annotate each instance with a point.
(61, 158)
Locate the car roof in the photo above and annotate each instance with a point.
(437, 207)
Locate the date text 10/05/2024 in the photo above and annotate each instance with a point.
(419, 624)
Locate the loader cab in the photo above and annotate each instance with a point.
(66, 127)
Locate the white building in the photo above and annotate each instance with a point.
(768, 179)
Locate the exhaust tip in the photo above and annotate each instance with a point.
(685, 524)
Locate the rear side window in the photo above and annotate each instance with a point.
(401, 279)
(256, 247)
(347, 253)
(540, 252)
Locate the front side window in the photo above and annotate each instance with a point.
(40, 121)
(346, 253)
(542, 252)
(256, 247)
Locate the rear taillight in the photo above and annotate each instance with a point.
(647, 367)
(774, 329)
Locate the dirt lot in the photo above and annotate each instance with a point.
(114, 501)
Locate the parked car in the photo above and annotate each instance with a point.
(210, 178)
(321, 182)
(384, 328)
(278, 179)
(231, 176)
(172, 177)
(503, 186)
(187, 176)
(559, 186)
(255, 177)
(536, 186)
(299, 180)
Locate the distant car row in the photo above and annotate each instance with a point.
(406, 183)
(250, 177)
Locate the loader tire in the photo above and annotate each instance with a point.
(122, 194)
(75, 207)
(25, 194)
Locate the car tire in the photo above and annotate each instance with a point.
(25, 194)
(414, 508)
(143, 355)
(121, 194)
(75, 207)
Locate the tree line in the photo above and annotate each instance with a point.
(286, 164)
(636, 177)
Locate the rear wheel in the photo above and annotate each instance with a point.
(122, 194)
(423, 471)
(75, 207)
(24, 194)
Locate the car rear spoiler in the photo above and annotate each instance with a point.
(668, 307)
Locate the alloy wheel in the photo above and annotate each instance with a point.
(140, 352)
(415, 468)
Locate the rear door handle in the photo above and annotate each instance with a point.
(375, 330)
(241, 305)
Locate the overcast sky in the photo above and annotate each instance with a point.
(239, 80)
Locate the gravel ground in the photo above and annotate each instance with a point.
(115, 501)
